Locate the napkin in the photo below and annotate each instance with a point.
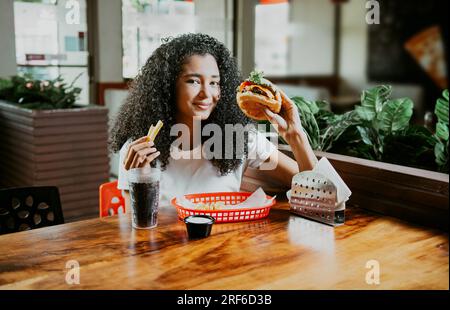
(256, 199)
(325, 168)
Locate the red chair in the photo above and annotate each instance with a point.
(111, 200)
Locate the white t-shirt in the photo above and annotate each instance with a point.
(191, 176)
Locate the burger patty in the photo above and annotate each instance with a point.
(257, 89)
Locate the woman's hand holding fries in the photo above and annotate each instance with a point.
(142, 151)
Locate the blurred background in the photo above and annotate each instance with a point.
(318, 49)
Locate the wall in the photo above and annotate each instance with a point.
(354, 58)
(109, 41)
(245, 39)
(312, 37)
(7, 39)
(212, 17)
(354, 42)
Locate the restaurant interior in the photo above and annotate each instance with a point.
(370, 83)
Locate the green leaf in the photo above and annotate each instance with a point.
(441, 154)
(412, 147)
(442, 131)
(256, 77)
(365, 135)
(338, 126)
(445, 94)
(441, 109)
(419, 132)
(323, 106)
(365, 113)
(396, 115)
(372, 101)
(302, 105)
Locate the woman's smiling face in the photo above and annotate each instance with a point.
(197, 88)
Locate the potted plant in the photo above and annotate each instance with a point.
(46, 139)
(391, 166)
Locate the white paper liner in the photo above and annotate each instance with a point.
(256, 200)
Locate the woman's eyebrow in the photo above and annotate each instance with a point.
(199, 75)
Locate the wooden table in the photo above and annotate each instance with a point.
(283, 251)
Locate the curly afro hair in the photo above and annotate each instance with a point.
(152, 97)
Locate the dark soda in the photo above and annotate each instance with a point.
(144, 201)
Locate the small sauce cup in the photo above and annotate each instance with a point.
(199, 226)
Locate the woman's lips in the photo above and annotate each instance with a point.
(202, 106)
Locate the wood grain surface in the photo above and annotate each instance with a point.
(283, 251)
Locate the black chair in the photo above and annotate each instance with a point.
(25, 208)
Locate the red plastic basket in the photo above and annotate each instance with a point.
(224, 216)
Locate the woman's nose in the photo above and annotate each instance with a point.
(204, 91)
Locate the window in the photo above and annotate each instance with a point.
(294, 37)
(51, 40)
(271, 37)
(146, 22)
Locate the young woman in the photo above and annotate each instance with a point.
(191, 77)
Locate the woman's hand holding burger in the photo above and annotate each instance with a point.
(287, 122)
(289, 127)
(259, 99)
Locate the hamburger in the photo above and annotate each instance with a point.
(256, 94)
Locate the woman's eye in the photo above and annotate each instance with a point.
(214, 83)
(193, 81)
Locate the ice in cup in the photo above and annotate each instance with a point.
(144, 196)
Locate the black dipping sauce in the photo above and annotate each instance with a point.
(199, 226)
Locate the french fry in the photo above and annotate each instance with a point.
(211, 206)
(153, 131)
(150, 130)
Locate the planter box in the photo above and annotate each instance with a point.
(64, 148)
(411, 194)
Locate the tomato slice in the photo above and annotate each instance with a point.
(243, 84)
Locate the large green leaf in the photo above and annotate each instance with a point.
(441, 108)
(442, 131)
(365, 113)
(372, 101)
(396, 115)
(337, 127)
(304, 105)
(441, 154)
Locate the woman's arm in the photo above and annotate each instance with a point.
(289, 127)
(140, 153)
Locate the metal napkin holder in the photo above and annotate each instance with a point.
(314, 196)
